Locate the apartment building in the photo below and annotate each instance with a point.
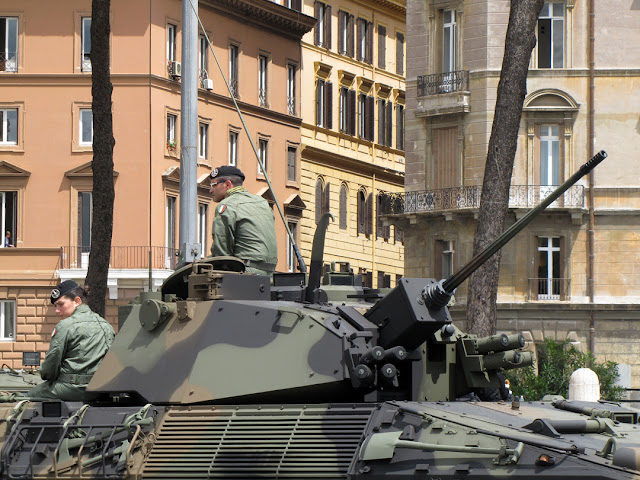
(352, 151)
(573, 273)
(46, 140)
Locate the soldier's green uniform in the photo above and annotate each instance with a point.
(244, 227)
(78, 344)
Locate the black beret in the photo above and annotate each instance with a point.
(62, 289)
(227, 171)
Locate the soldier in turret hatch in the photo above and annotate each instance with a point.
(78, 343)
(244, 224)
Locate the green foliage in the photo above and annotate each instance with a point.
(556, 363)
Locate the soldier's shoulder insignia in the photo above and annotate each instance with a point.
(221, 208)
(53, 334)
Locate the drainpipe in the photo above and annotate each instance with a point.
(590, 149)
(374, 208)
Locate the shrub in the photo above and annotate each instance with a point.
(556, 363)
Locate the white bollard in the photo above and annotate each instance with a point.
(584, 385)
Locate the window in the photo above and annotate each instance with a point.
(323, 192)
(171, 133)
(203, 140)
(8, 206)
(445, 169)
(365, 213)
(345, 36)
(233, 148)
(322, 33)
(550, 155)
(262, 154)
(347, 111)
(400, 53)
(203, 63)
(86, 127)
(291, 163)
(170, 232)
(202, 228)
(398, 235)
(171, 42)
(262, 80)
(448, 41)
(344, 198)
(551, 35)
(8, 44)
(367, 277)
(291, 89)
(385, 122)
(400, 126)
(365, 116)
(324, 99)
(234, 50)
(443, 259)
(85, 205)
(293, 4)
(292, 259)
(384, 281)
(383, 206)
(86, 44)
(9, 126)
(382, 46)
(365, 41)
(549, 272)
(7, 319)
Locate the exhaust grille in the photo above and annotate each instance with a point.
(257, 442)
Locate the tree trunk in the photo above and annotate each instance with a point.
(102, 165)
(494, 203)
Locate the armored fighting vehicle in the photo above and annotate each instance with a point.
(235, 376)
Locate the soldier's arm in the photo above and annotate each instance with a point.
(50, 367)
(224, 241)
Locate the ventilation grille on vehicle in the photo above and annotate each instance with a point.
(257, 442)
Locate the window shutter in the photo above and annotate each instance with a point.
(342, 48)
(399, 127)
(343, 207)
(379, 232)
(326, 200)
(369, 215)
(296, 5)
(351, 102)
(382, 47)
(381, 118)
(328, 105)
(327, 26)
(319, 199)
(319, 101)
(316, 32)
(389, 124)
(362, 222)
(370, 117)
(369, 42)
(399, 53)
(350, 32)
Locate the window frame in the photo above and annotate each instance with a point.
(292, 259)
(5, 55)
(551, 19)
(385, 122)
(170, 228)
(13, 220)
(400, 56)
(82, 111)
(85, 58)
(263, 153)
(364, 40)
(322, 29)
(324, 103)
(382, 46)
(343, 207)
(203, 59)
(202, 227)
(263, 69)
(553, 280)
(203, 141)
(346, 33)
(172, 43)
(292, 70)
(232, 143)
(400, 109)
(172, 133)
(5, 123)
(234, 68)
(292, 148)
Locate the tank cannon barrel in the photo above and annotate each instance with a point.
(438, 294)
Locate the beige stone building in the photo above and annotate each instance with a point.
(46, 140)
(353, 132)
(557, 279)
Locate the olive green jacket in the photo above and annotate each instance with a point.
(78, 344)
(244, 227)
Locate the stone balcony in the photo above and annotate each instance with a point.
(443, 94)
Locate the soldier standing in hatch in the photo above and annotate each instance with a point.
(78, 343)
(244, 224)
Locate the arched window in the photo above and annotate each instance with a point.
(344, 198)
(322, 198)
(382, 207)
(365, 212)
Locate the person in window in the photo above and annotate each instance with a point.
(7, 239)
(78, 343)
(244, 224)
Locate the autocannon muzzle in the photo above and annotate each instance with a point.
(507, 360)
(495, 343)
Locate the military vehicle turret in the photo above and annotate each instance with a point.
(231, 375)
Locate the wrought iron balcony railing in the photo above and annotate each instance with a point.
(8, 63)
(439, 83)
(291, 105)
(460, 198)
(122, 257)
(262, 97)
(554, 289)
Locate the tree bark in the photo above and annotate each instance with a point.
(102, 165)
(494, 202)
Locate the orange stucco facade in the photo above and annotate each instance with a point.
(45, 87)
